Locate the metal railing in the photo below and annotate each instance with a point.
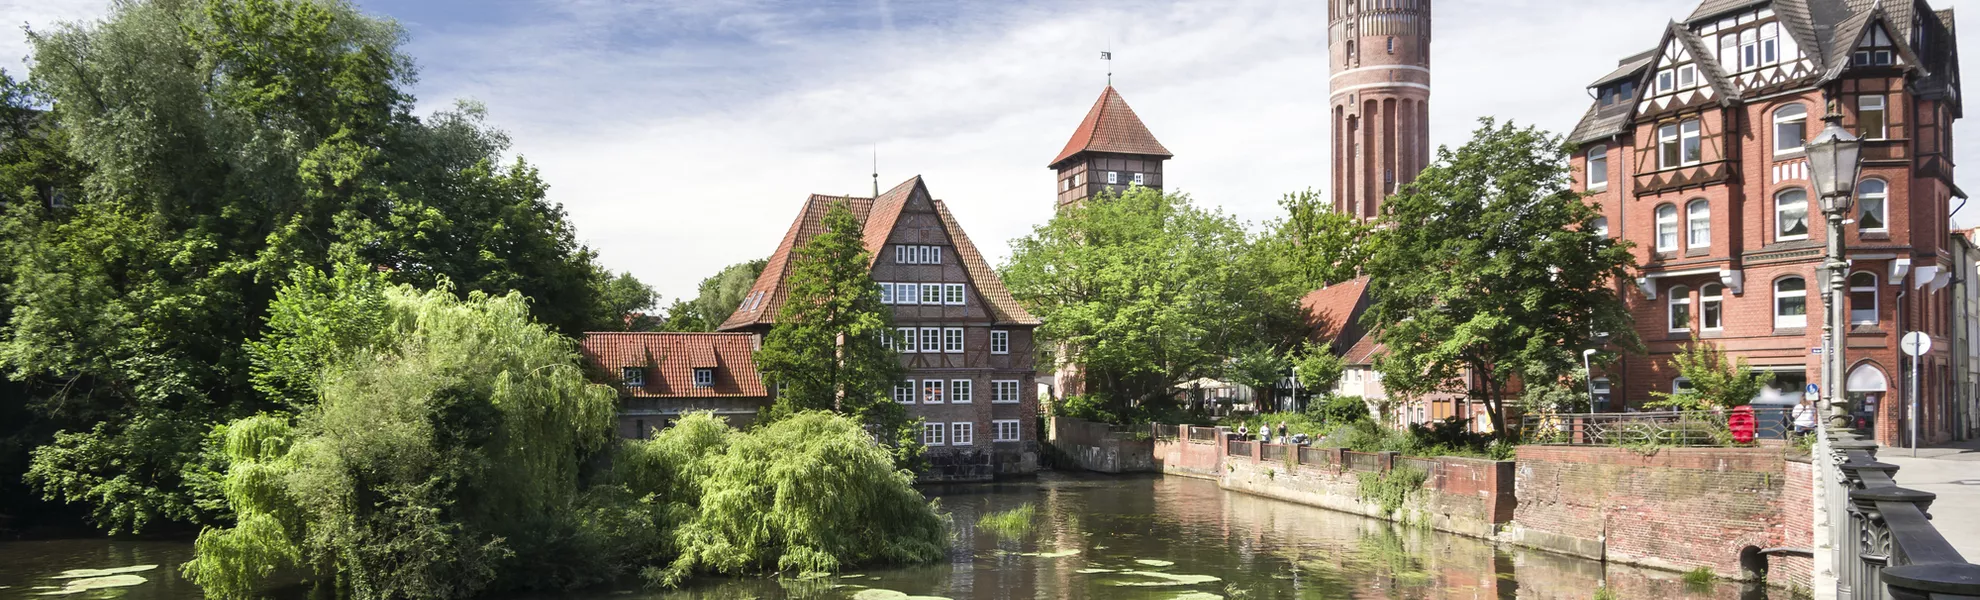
(1202, 435)
(1319, 457)
(1884, 541)
(1241, 448)
(1664, 428)
(1166, 433)
(1272, 452)
(1363, 461)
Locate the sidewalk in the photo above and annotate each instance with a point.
(1953, 472)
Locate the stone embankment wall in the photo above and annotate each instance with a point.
(1670, 508)
(1460, 495)
(1094, 447)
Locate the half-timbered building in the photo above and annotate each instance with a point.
(1694, 151)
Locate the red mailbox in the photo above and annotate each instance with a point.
(1741, 423)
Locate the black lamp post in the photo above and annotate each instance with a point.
(1834, 162)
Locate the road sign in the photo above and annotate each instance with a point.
(1916, 343)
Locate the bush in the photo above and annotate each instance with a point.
(1446, 438)
(1342, 410)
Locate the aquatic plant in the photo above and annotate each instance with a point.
(1391, 489)
(1699, 579)
(1009, 523)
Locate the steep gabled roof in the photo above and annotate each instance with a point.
(1708, 62)
(1849, 35)
(1111, 127)
(877, 218)
(1331, 311)
(671, 358)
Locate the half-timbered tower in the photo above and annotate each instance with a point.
(1379, 98)
(966, 342)
(1111, 150)
(1694, 151)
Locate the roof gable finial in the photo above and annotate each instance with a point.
(876, 171)
(1108, 55)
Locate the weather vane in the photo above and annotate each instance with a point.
(1108, 55)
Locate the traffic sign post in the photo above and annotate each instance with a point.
(1915, 345)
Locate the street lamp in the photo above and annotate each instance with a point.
(1588, 374)
(1834, 161)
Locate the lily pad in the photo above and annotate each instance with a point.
(1052, 554)
(81, 573)
(1165, 579)
(1153, 562)
(78, 586)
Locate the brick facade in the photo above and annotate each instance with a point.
(1379, 99)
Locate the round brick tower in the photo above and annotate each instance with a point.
(1380, 95)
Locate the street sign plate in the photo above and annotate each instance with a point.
(1916, 343)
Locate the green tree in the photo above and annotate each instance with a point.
(1312, 246)
(1259, 368)
(633, 301)
(1318, 368)
(721, 293)
(1144, 290)
(1487, 268)
(685, 316)
(828, 349)
(1716, 380)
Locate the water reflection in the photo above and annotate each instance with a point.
(1199, 542)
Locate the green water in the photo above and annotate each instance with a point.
(1199, 540)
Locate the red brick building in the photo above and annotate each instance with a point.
(1379, 91)
(1694, 151)
(966, 342)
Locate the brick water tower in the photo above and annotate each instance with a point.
(1380, 97)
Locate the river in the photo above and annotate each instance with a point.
(1114, 537)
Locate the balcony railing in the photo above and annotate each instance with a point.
(1659, 428)
(1885, 544)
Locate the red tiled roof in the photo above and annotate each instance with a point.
(1111, 127)
(1363, 352)
(1329, 309)
(671, 358)
(877, 218)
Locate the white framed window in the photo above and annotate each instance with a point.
(952, 340)
(1067, 187)
(931, 434)
(906, 341)
(934, 255)
(1698, 224)
(931, 293)
(931, 391)
(904, 392)
(921, 255)
(1668, 156)
(1770, 44)
(1790, 303)
(1680, 385)
(903, 255)
(1601, 226)
(1667, 228)
(886, 293)
(1678, 301)
(931, 339)
(632, 376)
(1871, 195)
(1113, 177)
(1007, 430)
(1687, 77)
(1665, 79)
(1000, 341)
(1790, 129)
(962, 391)
(1689, 142)
(1711, 307)
(1749, 50)
(704, 377)
(1870, 121)
(1598, 167)
(907, 293)
(1079, 179)
(962, 434)
(1142, 179)
(952, 294)
(1863, 298)
(1004, 391)
(887, 339)
(1791, 215)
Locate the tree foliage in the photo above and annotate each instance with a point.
(632, 301)
(1717, 381)
(1487, 268)
(721, 293)
(1144, 290)
(205, 150)
(1311, 247)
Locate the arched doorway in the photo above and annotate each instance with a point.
(1866, 390)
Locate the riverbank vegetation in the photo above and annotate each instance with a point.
(1010, 523)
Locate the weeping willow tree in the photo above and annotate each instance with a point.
(438, 464)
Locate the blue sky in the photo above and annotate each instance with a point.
(681, 134)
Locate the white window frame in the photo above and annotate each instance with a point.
(933, 391)
(1597, 167)
(1113, 177)
(962, 391)
(908, 342)
(1679, 297)
(962, 433)
(1799, 321)
(1691, 135)
(1667, 227)
(1712, 296)
(1016, 431)
(903, 254)
(931, 340)
(1601, 226)
(1780, 234)
(1698, 224)
(921, 255)
(931, 294)
(952, 340)
(887, 339)
(934, 255)
(932, 434)
(1000, 341)
(1142, 178)
(886, 292)
(1795, 114)
(1770, 44)
(1875, 302)
(704, 377)
(1687, 77)
(907, 293)
(1665, 79)
(1882, 196)
(1749, 50)
(905, 391)
(952, 294)
(999, 395)
(1882, 108)
(632, 376)
(1667, 136)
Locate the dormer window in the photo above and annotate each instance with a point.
(704, 377)
(632, 376)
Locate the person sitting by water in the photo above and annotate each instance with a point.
(1244, 432)
(1299, 439)
(1804, 417)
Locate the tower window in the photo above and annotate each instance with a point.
(1392, 45)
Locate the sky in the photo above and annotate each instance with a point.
(682, 135)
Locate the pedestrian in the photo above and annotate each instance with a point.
(1804, 417)
(1282, 432)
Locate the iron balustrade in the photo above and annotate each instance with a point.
(1884, 541)
(1662, 428)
